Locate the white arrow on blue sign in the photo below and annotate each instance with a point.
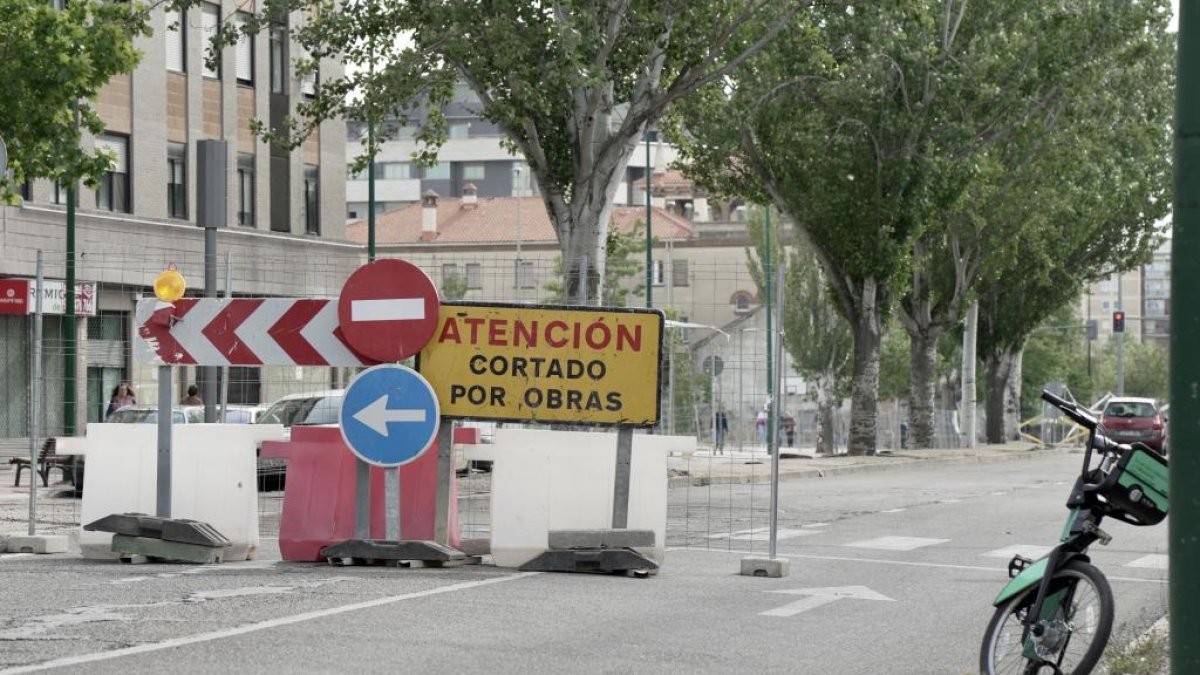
(389, 415)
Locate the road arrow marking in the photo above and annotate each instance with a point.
(390, 309)
(818, 597)
(377, 415)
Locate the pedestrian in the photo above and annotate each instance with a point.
(722, 427)
(789, 428)
(122, 396)
(760, 424)
(192, 398)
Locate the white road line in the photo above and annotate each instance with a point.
(762, 534)
(878, 561)
(894, 510)
(896, 543)
(950, 501)
(254, 627)
(1154, 561)
(15, 556)
(1028, 550)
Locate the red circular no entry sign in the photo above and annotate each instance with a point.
(388, 310)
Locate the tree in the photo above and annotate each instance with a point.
(573, 84)
(816, 337)
(50, 61)
(624, 265)
(1098, 215)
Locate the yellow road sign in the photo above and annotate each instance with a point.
(566, 365)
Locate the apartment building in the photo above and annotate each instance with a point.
(473, 153)
(285, 211)
(1143, 294)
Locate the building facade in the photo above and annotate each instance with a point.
(1143, 294)
(285, 210)
(473, 153)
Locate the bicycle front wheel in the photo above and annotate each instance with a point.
(1073, 630)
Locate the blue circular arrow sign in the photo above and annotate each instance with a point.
(389, 415)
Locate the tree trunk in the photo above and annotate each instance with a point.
(1012, 395)
(826, 400)
(997, 383)
(864, 389)
(922, 387)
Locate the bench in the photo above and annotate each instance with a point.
(48, 460)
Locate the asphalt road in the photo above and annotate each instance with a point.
(913, 557)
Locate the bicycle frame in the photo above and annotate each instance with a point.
(1081, 530)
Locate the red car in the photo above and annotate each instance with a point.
(1135, 420)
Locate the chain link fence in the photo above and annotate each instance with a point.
(715, 355)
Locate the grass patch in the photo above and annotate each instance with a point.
(1148, 655)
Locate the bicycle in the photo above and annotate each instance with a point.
(1053, 604)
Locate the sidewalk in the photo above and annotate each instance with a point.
(753, 464)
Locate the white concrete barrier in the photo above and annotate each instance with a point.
(213, 478)
(563, 480)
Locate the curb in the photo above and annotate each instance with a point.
(815, 472)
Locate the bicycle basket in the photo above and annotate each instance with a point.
(1136, 488)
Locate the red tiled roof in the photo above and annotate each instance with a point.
(494, 219)
(671, 181)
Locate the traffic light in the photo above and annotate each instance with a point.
(1118, 322)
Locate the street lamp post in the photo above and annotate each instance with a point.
(518, 192)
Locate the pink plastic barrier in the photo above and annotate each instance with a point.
(318, 497)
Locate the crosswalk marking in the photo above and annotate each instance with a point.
(897, 543)
(763, 534)
(1154, 561)
(1033, 551)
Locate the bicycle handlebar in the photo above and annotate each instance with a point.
(1072, 410)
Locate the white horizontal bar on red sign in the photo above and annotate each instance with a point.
(242, 332)
(390, 309)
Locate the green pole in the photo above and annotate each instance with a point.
(1185, 362)
(69, 321)
(649, 234)
(371, 194)
(770, 380)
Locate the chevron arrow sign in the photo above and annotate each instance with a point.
(242, 332)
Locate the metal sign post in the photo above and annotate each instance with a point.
(35, 386)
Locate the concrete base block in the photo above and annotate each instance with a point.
(572, 539)
(41, 543)
(766, 567)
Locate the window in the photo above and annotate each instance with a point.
(107, 326)
(679, 273)
(177, 180)
(176, 41)
(27, 190)
(742, 301)
(278, 61)
(473, 171)
(312, 201)
(438, 171)
(657, 273)
(245, 189)
(474, 276)
(209, 20)
(393, 171)
(449, 273)
(113, 192)
(352, 214)
(525, 274)
(308, 80)
(458, 129)
(245, 52)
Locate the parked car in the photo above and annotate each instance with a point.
(148, 414)
(1135, 420)
(320, 407)
(243, 414)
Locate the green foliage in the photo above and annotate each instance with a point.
(816, 336)
(895, 363)
(572, 84)
(454, 287)
(49, 61)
